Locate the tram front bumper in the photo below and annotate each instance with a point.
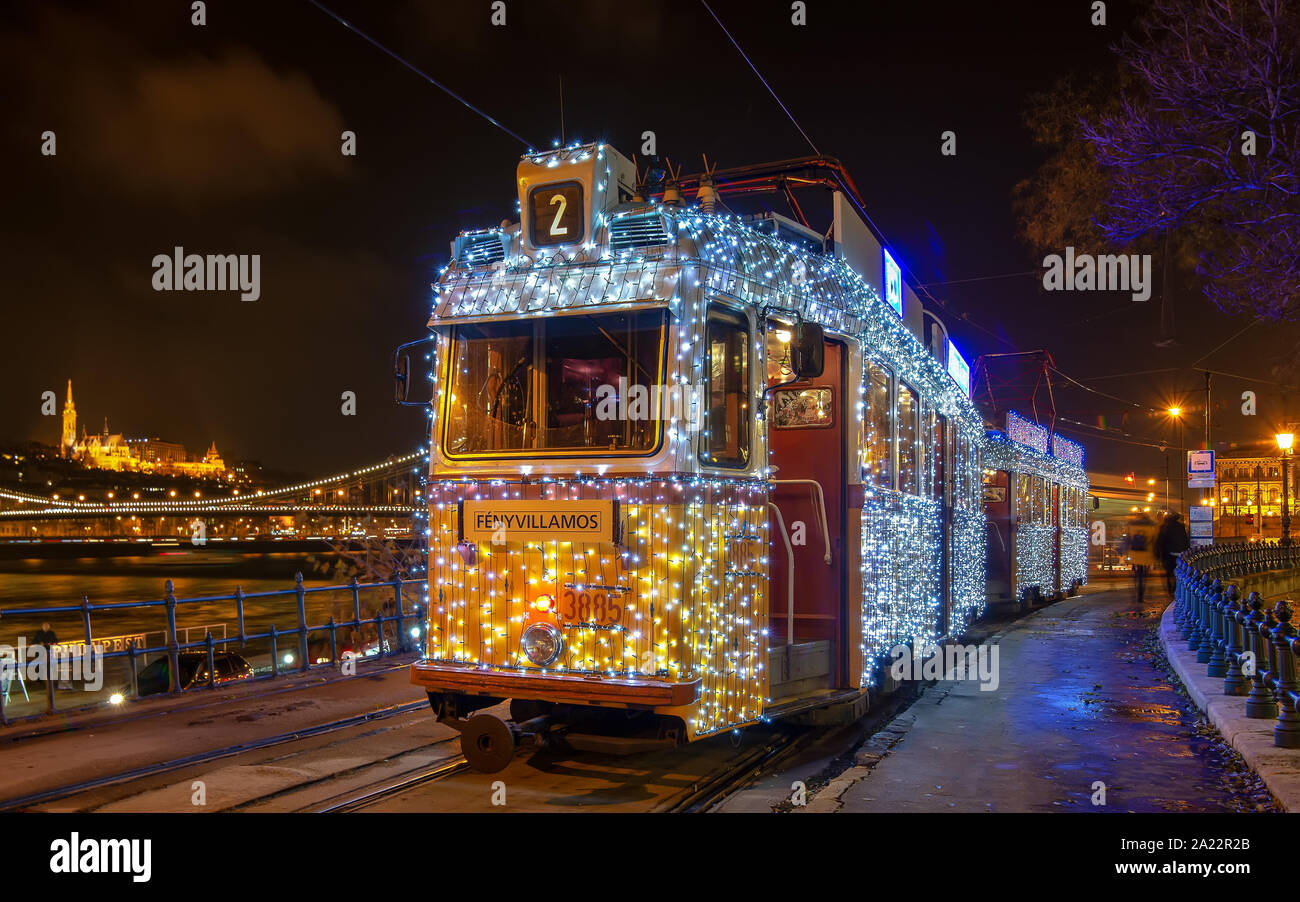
(583, 689)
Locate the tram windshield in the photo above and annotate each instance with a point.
(576, 383)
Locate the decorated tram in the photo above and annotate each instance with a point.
(688, 471)
(1036, 497)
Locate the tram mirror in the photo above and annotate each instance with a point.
(401, 377)
(1096, 503)
(807, 350)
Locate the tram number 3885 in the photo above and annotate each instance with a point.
(589, 607)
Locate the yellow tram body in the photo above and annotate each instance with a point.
(641, 562)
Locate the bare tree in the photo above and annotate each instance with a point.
(1205, 141)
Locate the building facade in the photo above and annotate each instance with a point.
(112, 451)
(1248, 496)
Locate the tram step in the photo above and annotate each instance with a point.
(799, 668)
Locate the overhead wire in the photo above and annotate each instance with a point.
(739, 50)
(426, 76)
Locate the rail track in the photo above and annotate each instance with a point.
(139, 773)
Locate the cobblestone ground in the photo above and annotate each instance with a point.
(1085, 696)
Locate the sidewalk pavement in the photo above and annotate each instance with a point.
(1251, 737)
(1080, 706)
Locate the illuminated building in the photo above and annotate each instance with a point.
(69, 424)
(111, 451)
(1248, 495)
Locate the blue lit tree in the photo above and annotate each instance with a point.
(1206, 83)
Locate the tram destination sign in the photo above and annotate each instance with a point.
(538, 521)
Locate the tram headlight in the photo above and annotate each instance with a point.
(542, 644)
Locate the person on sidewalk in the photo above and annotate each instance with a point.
(1140, 544)
(1171, 542)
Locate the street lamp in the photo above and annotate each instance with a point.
(1284, 442)
(1175, 413)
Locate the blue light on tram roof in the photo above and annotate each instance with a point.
(893, 283)
(958, 368)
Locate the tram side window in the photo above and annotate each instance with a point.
(958, 476)
(940, 465)
(908, 427)
(726, 414)
(964, 472)
(878, 465)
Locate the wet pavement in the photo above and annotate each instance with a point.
(1085, 698)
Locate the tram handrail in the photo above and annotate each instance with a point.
(789, 575)
(821, 502)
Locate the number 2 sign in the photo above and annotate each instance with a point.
(556, 213)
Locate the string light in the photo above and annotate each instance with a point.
(691, 576)
(1035, 529)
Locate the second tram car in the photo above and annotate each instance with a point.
(686, 474)
(1036, 497)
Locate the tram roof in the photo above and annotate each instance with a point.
(695, 257)
(1002, 452)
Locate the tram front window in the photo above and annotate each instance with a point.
(562, 383)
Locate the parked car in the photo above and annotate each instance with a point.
(156, 677)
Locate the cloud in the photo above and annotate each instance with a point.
(192, 129)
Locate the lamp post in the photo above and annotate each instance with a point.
(1175, 413)
(1284, 442)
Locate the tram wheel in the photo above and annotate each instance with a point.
(487, 743)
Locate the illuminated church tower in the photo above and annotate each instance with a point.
(69, 423)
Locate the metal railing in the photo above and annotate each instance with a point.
(1252, 648)
(387, 630)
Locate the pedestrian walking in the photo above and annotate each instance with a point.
(1139, 545)
(1171, 542)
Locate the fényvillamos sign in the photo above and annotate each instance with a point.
(538, 521)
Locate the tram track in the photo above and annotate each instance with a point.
(351, 803)
(716, 787)
(163, 767)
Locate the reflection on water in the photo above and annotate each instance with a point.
(51, 583)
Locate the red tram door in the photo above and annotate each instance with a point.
(806, 422)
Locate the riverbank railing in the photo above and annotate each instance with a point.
(294, 645)
(1253, 648)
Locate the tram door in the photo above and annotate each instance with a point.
(806, 437)
(999, 509)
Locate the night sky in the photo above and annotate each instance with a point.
(225, 139)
